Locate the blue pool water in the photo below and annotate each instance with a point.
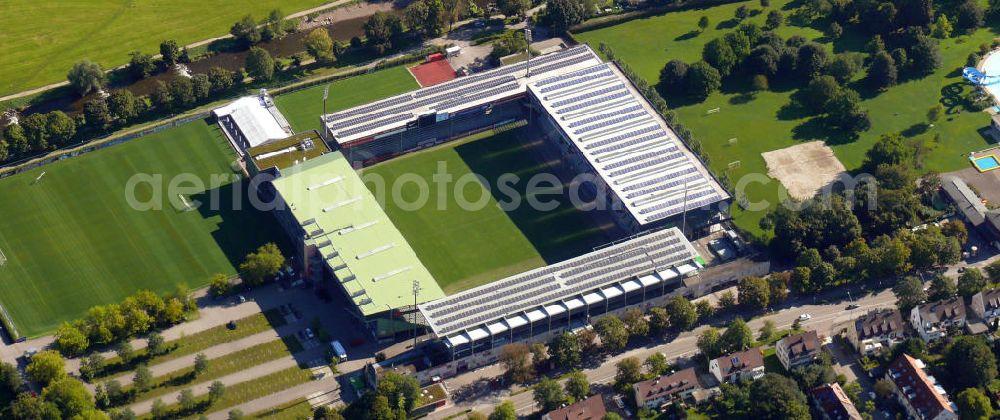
(986, 163)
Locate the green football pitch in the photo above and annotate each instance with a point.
(302, 108)
(464, 247)
(41, 40)
(72, 240)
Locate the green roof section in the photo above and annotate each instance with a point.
(369, 256)
(287, 152)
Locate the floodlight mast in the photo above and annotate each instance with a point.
(527, 49)
(416, 291)
(322, 119)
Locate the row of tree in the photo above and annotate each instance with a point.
(43, 132)
(136, 315)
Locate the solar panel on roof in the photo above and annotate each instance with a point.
(599, 117)
(576, 81)
(647, 164)
(652, 139)
(608, 123)
(592, 102)
(588, 95)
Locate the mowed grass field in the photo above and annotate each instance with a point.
(464, 247)
(42, 39)
(757, 120)
(73, 241)
(303, 108)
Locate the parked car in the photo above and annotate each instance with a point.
(853, 306)
(805, 317)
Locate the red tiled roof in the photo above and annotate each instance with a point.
(589, 409)
(802, 343)
(877, 323)
(832, 399)
(666, 385)
(741, 361)
(914, 383)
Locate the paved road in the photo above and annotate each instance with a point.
(825, 319)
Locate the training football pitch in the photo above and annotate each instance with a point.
(72, 241)
(302, 108)
(464, 247)
(42, 39)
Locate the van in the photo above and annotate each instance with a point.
(338, 350)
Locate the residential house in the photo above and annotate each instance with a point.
(931, 320)
(918, 392)
(666, 389)
(986, 306)
(876, 330)
(832, 403)
(589, 409)
(745, 365)
(798, 349)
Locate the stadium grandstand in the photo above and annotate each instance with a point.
(326, 209)
(474, 324)
(609, 130)
(252, 121)
(643, 173)
(432, 115)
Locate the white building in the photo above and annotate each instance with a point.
(932, 320)
(746, 365)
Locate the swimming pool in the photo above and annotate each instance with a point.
(986, 163)
(991, 67)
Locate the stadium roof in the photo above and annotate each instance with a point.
(607, 272)
(257, 118)
(627, 142)
(369, 256)
(287, 152)
(452, 96)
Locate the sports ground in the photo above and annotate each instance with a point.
(760, 122)
(72, 241)
(467, 247)
(302, 108)
(42, 39)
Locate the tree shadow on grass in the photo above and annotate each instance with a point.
(915, 130)
(687, 36)
(818, 128)
(728, 24)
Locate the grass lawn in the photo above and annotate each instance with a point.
(756, 120)
(72, 240)
(199, 341)
(771, 362)
(295, 410)
(466, 247)
(302, 108)
(245, 391)
(222, 366)
(42, 40)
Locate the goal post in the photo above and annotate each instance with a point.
(3, 258)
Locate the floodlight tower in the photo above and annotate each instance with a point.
(322, 118)
(527, 50)
(416, 291)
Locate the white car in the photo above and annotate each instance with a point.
(805, 317)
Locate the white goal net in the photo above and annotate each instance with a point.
(3, 258)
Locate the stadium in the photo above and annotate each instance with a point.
(587, 116)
